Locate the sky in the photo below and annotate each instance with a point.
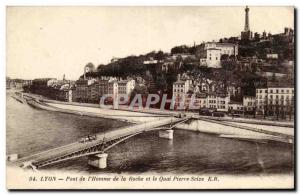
(52, 41)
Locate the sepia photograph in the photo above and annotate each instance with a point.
(150, 97)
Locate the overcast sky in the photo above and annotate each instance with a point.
(52, 41)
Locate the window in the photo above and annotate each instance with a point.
(277, 91)
(271, 91)
(266, 91)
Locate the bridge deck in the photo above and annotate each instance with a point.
(100, 138)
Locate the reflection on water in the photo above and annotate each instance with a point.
(30, 130)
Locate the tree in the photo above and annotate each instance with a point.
(160, 82)
(180, 49)
(224, 57)
(100, 67)
(160, 55)
(139, 89)
(170, 79)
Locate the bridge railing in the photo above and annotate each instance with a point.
(137, 128)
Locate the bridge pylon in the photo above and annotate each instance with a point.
(98, 161)
(167, 134)
(12, 157)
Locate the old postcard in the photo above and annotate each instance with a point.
(150, 97)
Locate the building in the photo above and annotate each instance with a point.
(275, 100)
(17, 83)
(211, 53)
(125, 87)
(170, 65)
(213, 59)
(81, 90)
(103, 87)
(272, 56)
(122, 89)
(218, 102)
(264, 35)
(261, 100)
(195, 104)
(280, 99)
(271, 75)
(234, 89)
(112, 88)
(151, 61)
(256, 36)
(201, 100)
(225, 48)
(249, 104)
(235, 108)
(88, 68)
(94, 92)
(180, 88)
(114, 59)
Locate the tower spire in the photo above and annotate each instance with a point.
(247, 27)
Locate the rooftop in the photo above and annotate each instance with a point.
(179, 82)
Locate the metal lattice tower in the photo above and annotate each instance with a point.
(247, 27)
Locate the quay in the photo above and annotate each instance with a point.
(164, 124)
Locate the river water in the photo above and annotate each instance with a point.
(30, 130)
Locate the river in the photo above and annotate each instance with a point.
(30, 130)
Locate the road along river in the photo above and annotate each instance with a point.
(31, 130)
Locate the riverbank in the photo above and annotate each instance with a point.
(94, 112)
(227, 129)
(154, 111)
